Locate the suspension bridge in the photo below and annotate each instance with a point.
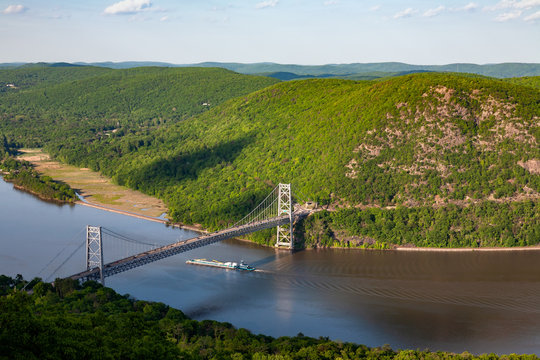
(276, 210)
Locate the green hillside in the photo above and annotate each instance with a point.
(413, 141)
(26, 77)
(285, 76)
(115, 102)
(421, 142)
(533, 81)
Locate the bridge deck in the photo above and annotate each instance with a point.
(146, 257)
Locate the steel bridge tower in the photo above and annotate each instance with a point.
(94, 250)
(284, 233)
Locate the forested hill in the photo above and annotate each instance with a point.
(533, 81)
(84, 102)
(25, 77)
(417, 140)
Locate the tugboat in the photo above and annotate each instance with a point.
(224, 265)
(244, 266)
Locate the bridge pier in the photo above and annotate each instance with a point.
(284, 232)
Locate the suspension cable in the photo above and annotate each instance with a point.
(299, 195)
(125, 238)
(254, 210)
(59, 253)
(65, 261)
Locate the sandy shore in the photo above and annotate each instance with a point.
(139, 216)
(95, 188)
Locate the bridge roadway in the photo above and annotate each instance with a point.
(146, 257)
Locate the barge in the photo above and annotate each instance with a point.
(224, 265)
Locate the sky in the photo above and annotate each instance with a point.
(283, 31)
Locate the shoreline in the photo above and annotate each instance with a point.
(97, 188)
(427, 249)
(198, 230)
(397, 248)
(139, 216)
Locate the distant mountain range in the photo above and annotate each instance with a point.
(357, 71)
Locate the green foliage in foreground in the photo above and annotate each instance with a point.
(93, 322)
(23, 175)
(484, 224)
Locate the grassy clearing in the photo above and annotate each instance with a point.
(94, 187)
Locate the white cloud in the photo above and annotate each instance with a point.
(434, 12)
(59, 16)
(527, 4)
(405, 13)
(508, 16)
(266, 4)
(375, 7)
(469, 7)
(330, 2)
(14, 9)
(514, 4)
(128, 7)
(533, 17)
(164, 18)
(503, 4)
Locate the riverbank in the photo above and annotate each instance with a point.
(517, 248)
(25, 178)
(410, 248)
(144, 217)
(95, 188)
(38, 194)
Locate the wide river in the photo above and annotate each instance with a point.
(475, 301)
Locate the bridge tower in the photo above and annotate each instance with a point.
(284, 233)
(94, 250)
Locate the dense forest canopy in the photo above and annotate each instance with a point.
(64, 103)
(533, 81)
(340, 143)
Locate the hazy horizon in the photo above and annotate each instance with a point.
(418, 32)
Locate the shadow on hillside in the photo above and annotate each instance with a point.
(185, 165)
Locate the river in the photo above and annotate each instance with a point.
(475, 301)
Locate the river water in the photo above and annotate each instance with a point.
(475, 301)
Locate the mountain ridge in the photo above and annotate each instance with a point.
(499, 70)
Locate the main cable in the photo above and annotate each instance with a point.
(65, 261)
